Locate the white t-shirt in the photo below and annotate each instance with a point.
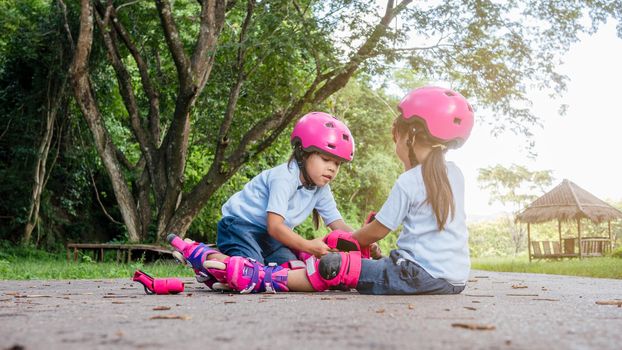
(443, 254)
(280, 191)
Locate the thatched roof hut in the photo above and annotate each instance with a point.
(568, 202)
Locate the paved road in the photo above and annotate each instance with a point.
(515, 311)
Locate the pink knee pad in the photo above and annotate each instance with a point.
(158, 285)
(341, 269)
(248, 276)
(344, 242)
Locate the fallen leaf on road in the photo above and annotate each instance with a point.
(546, 299)
(380, 311)
(170, 317)
(470, 308)
(117, 302)
(159, 308)
(411, 306)
(33, 296)
(518, 286)
(474, 326)
(229, 302)
(610, 302)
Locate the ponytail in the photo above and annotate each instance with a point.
(437, 186)
(316, 219)
(440, 195)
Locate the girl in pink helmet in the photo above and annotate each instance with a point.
(427, 200)
(258, 222)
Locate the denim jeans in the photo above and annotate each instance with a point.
(396, 275)
(237, 237)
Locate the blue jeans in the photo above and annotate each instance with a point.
(396, 275)
(237, 237)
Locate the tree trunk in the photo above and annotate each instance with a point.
(105, 147)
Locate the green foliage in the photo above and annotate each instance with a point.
(515, 185)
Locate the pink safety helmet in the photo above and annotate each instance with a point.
(446, 114)
(321, 132)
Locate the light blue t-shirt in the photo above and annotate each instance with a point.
(280, 191)
(443, 254)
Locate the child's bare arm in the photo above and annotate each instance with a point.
(278, 230)
(371, 233)
(340, 225)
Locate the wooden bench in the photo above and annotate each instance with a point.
(123, 251)
(595, 246)
(552, 250)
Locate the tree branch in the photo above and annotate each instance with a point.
(182, 64)
(212, 21)
(150, 91)
(234, 92)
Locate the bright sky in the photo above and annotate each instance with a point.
(583, 145)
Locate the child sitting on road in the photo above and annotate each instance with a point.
(258, 221)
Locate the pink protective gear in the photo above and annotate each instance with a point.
(334, 271)
(246, 275)
(195, 255)
(446, 114)
(344, 242)
(158, 285)
(321, 132)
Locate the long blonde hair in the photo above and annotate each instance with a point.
(439, 193)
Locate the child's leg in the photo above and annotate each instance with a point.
(333, 270)
(280, 256)
(396, 275)
(236, 237)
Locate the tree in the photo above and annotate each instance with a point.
(34, 61)
(245, 70)
(160, 170)
(516, 186)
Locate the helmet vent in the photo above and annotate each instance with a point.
(346, 137)
(330, 125)
(331, 146)
(449, 93)
(457, 121)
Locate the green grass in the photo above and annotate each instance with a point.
(17, 263)
(606, 267)
(56, 269)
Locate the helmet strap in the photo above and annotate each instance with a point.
(299, 156)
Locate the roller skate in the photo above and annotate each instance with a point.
(194, 254)
(158, 285)
(246, 275)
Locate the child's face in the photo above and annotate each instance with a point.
(321, 168)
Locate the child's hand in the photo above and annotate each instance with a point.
(318, 248)
(375, 251)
